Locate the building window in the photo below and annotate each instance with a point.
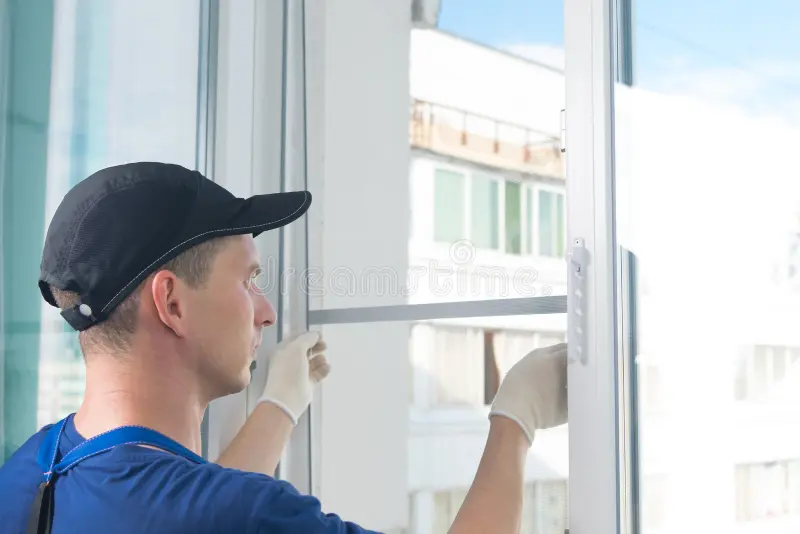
(491, 371)
(485, 223)
(552, 222)
(545, 508)
(529, 220)
(763, 371)
(457, 365)
(551, 515)
(510, 346)
(767, 490)
(528, 525)
(446, 506)
(462, 366)
(449, 199)
(496, 214)
(513, 217)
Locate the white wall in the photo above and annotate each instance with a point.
(451, 71)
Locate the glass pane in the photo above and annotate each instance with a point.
(449, 204)
(83, 85)
(484, 222)
(429, 446)
(480, 93)
(708, 200)
(547, 226)
(530, 227)
(561, 230)
(513, 226)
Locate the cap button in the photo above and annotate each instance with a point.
(85, 310)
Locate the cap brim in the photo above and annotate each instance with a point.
(254, 215)
(261, 213)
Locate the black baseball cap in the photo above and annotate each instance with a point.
(121, 224)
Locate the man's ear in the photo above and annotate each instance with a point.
(168, 298)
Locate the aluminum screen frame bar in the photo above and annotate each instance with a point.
(440, 310)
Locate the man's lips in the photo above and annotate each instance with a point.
(253, 362)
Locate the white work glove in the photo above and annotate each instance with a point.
(534, 392)
(295, 367)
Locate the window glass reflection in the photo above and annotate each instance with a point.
(84, 84)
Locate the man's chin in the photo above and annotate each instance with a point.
(247, 374)
(243, 380)
(230, 388)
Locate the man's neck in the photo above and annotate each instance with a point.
(120, 393)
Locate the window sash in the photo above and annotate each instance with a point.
(596, 495)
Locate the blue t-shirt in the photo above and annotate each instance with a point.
(132, 489)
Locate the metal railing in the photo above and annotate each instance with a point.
(452, 131)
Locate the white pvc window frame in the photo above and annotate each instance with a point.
(259, 147)
(260, 105)
(600, 467)
(249, 147)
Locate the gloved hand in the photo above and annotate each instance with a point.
(294, 368)
(534, 392)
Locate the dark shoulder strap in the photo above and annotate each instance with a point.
(40, 520)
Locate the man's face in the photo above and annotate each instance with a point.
(227, 315)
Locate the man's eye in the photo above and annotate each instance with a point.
(257, 281)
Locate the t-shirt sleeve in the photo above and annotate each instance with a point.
(276, 507)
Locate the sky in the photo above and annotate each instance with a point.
(748, 55)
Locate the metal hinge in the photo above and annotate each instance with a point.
(578, 258)
(563, 133)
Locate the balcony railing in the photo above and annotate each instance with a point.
(474, 137)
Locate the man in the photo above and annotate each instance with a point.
(155, 265)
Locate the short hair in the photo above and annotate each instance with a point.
(192, 266)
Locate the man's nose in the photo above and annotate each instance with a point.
(265, 313)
